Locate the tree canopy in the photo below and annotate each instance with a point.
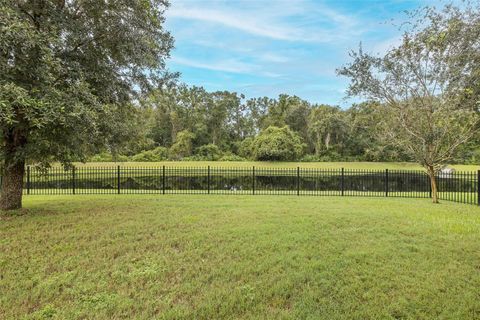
(231, 122)
(277, 144)
(69, 73)
(428, 85)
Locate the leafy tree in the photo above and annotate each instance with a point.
(231, 157)
(286, 110)
(245, 148)
(68, 72)
(296, 116)
(470, 151)
(327, 128)
(276, 112)
(216, 115)
(365, 138)
(160, 111)
(192, 113)
(239, 119)
(183, 147)
(210, 152)
(136, 138)
(258, 111)
(428, 85)
(278, 144)
(157, 154)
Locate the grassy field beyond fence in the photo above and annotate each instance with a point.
(319, 165)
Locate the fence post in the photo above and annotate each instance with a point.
(73, 180)
(208, 180)
(28, 179)
(342, 182)
(478, 187)
(163, 180)
(253, 180)
(118, 179)
(298, 181)
(386, 182)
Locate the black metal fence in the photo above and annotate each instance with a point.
(456, 186)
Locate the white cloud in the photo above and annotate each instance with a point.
(230, 65)
(232, 20)
(273, 20)
(226, 66)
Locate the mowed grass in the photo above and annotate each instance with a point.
(244, 257)
(258, 164)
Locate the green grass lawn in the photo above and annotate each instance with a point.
(323, 165)
(243, 257)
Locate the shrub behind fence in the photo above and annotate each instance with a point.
(458, 186)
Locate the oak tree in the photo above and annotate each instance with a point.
(69, 72)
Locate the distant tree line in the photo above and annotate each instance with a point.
(190, 123)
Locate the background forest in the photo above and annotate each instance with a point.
(189, 123)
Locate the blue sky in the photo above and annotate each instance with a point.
(267, 47)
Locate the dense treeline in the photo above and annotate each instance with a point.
(189, 123)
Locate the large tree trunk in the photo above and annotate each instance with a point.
(12, 185)
(13, 172)
(433, 184)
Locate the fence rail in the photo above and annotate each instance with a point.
(457, 186)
